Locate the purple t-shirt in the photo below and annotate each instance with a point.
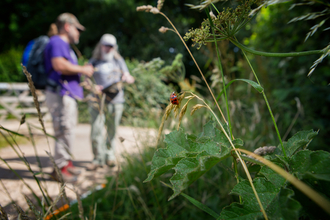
(69, 83)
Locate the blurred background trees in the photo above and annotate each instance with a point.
(284, 79)
(137, 33)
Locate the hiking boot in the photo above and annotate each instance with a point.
(111, 163)
(92, 166)
(72, 169)
(67, 177)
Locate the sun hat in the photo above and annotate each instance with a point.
(69, 18)
(108, 40)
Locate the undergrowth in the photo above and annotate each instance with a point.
(290, 166)
(126, 197)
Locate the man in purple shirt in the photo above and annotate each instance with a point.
(63, 89)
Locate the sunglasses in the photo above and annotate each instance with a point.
(77, 28)
(109, 46)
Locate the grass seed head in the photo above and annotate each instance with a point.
(168, 110)
(181, 97)
(146, 8)
(23, 119)
(196, 107)
(160, 4)
(183, 112)
(154, 11)
(176, 110)
(35, 96)
(165, 116)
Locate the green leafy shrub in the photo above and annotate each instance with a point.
(149, 94)
(145, 98)
(10, 66)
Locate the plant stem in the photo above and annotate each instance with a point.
(268, 106)
(236, 174)
(184, 43)
(221, 71)
(239, 157)
(267, 54)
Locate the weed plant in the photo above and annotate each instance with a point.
(282, 170)
(10, 68)
(126, 197)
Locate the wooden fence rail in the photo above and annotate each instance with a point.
(16, 99)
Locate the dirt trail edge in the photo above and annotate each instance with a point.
(129, 140)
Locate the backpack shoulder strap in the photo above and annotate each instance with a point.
(38, 49)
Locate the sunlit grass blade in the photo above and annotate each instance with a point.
(250, 82)
(27, 185)
(3, 213)
(196, 203)
(60, 194)
(24, 160)
(12, 132)
(201, 206)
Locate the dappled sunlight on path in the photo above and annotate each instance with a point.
(129, 140)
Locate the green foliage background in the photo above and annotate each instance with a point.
(286, 78)
(137, 33)
(139, 39)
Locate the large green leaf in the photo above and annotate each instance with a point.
(190, 156)
(276, 200)
(272, 176)
(298, 141)
(283, 206)
(274, 197)
(313, 164)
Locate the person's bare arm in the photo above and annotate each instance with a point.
(62, 65)
(127, 77)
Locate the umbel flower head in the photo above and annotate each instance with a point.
(226, 23)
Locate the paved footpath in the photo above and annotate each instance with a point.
(131, 140)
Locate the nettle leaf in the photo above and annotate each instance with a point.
(250, 208)
(276, 179)
(298, 141)
(274, 197)
(307, 164)
(283, 206)
(190, 156)
(276, 200)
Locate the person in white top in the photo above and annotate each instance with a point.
(110, 73)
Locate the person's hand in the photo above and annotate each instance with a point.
(128, 78)
(98, 89)
(87, 70)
